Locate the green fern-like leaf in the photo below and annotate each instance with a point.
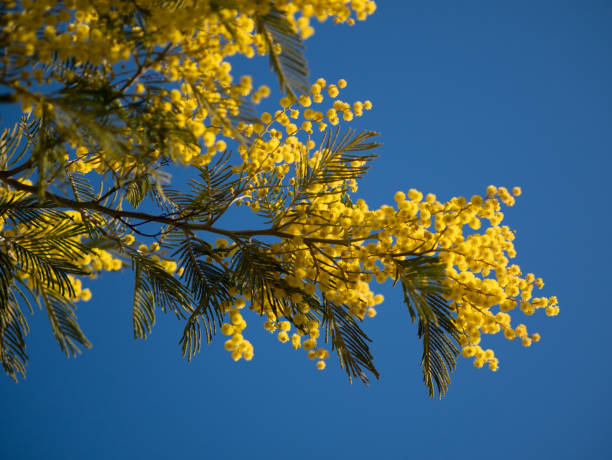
(81, 188)
(209, 285)
(16, 142)
(290, 66)
(13, 325)
(349, 341)
(62, 316)
(154, 287)
(137, 190)
(422, 283)
(143, 307)
(439, 346)
(210, 195)
(13, 329)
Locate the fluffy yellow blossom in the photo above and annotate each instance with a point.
(326, 249)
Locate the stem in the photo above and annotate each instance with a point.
(181, 224)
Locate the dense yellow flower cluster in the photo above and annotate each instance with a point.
(238, 345)
(187, 45)
(271, 150)
(326, 239)
(171, 65)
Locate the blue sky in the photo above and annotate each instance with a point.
(465, 94)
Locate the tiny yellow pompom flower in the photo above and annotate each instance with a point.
(227, 329)
(321, 365)
(240, 303)
(367, 105)
(285, 102)
(491, 190)
(516, 191)
(305, 101)
(415, 195)
(169, 266)
(551, 311)
(235, 317)
(236, 355)
(535, 337)
(341, 83)
(521, 330)
(49, 32)
(468, 351)
(322, 353)
(283, 337)
(237, 338)
(209, 139)
(85, 295)
(96, 265)
(474, 223)
(175, 95)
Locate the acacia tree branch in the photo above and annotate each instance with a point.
(8, 98)
(178, 223)
(11, 172)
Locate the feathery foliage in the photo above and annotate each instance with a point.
(288, 62)
(121, 99)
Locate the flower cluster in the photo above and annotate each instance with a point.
(156, 90)
(188, 47)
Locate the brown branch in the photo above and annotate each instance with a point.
(178, 223)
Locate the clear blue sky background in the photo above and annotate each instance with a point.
(465, 94)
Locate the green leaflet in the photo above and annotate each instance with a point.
(422, 283)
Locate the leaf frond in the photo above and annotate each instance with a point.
(62, 316)
(422, 283)
(290, 66)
